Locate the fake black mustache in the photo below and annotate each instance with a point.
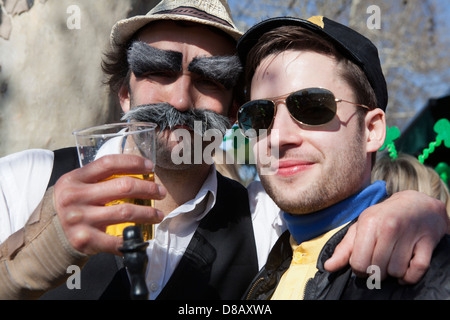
(168, 117)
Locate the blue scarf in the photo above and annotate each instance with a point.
(309, 226)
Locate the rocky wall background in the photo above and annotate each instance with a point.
(51, 82)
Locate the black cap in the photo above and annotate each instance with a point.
(350, 43)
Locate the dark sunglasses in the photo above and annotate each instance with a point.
(312, 107)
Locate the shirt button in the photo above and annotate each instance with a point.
(154, 287)
(298, 257)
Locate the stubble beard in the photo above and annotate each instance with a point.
(339, 179)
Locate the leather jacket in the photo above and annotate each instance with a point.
(344, 285)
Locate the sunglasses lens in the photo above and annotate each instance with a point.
(312, 106)
(254, 116)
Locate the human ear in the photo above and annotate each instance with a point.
(376, 129)
(124, 98)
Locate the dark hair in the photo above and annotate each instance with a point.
(289, 37)
(115, 67)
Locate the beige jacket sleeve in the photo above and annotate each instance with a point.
(35, 259)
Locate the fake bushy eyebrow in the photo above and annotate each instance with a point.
(143, 58)
(226, 70)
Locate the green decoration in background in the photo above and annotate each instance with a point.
(442, 128)
(443, 170)
(392, 134)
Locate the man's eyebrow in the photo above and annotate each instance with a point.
(143, 58)
(224, 69)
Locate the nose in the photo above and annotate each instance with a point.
(285, 131)
(181, 94)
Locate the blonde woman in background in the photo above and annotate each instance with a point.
(407, 173)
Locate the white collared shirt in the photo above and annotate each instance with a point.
(174, 233)
(24, 178)
(268, 224)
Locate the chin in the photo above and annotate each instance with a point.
(295, 196)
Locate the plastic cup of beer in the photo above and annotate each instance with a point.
(136, 138)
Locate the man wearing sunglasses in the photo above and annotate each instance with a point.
(318, 97)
